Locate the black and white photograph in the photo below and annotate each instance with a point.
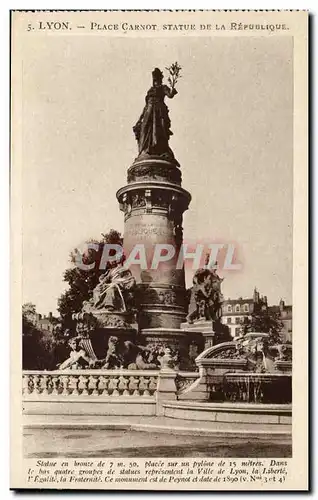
(159, 200)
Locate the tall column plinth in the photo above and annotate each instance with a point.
(153, 202)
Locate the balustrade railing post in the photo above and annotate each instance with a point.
(92, 385)
(55, 384)
(83, 385)
(64, 379)
(103, 382)
(25, 385)
(73, 385)
(123, 385)
(166, 388)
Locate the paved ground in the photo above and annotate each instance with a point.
(110, 438)
(99, 421)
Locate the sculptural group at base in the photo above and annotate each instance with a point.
(124, 354)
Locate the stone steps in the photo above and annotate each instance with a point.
(159, 424)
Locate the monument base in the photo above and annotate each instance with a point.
(184, 345)
(98, 325)
(112, 324)
(100, 338)
(114, 319)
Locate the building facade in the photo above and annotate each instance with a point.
(45, 323)
(234, 311)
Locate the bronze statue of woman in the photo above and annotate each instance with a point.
(152, 130)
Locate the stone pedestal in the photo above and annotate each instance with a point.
(100, 338)
(153, 202)
(179, 341)
(166, 388)
(205, 328)
(109, 324)
(114, 319)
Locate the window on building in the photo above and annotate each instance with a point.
(229, 309)
(229, 321)
(246, 308)
(237, 308)
(237, 320)
(237, 332)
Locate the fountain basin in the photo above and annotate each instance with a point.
(239, 413)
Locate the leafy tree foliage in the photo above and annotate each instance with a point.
(264, 321)
(81, 283)
(37, 346)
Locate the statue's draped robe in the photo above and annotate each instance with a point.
(152, 130)
(206, 290)
(110, 292)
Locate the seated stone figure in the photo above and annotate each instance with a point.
(113, 358)
(128, 355)
(78, 358)
(206, 296)
(145, 360)
(114, 291)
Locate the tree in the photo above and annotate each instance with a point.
(28, 315)
(37, 353)
(264, 321)
(41, 349)
(82, 282)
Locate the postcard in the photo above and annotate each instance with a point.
(159, 329)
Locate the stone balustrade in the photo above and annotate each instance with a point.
(110, 383)
(184, 380)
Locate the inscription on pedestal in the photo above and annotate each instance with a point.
(146, 229)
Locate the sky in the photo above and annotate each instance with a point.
(232, 121)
